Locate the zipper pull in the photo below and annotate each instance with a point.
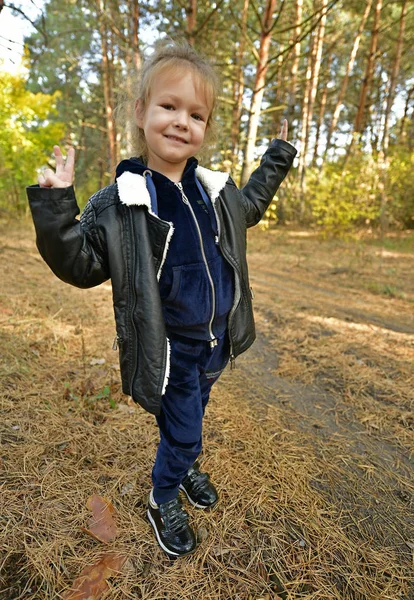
(232, 362)
(115, 343)
(213, 343)
(183, 196)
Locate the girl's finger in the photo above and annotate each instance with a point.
(284, 130)
(58, 157)
(50, 179)
(70, 161)
(41, 181)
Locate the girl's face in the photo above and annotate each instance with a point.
(174, 121)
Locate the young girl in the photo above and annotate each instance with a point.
(171, 236)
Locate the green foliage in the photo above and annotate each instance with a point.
(90, 401)
(341, 199)
(66, 58)
(26, 137)
(385, 289)
(70, 62)
(400, 187)
(105, 394)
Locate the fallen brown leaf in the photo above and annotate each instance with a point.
(102, 524)
(92, 582)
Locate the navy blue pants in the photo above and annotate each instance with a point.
(194, 369)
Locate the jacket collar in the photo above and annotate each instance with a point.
(132, 188)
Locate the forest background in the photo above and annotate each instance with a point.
(340, 71)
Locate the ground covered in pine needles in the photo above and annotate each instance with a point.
(309, 440)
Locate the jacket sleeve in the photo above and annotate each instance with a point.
(266, 179)
(74, 249)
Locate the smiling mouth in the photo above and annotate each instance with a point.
(175, 138)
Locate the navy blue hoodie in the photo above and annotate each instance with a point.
(196, 283)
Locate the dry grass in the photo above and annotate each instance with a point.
(302, 515)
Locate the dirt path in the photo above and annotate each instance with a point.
(309, 439)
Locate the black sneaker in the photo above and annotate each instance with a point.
(198, 488)
(170, 523)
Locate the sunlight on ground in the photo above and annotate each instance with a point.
(341, 325)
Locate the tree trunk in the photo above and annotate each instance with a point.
(135, 38)
(258, 91)
(278, 98)
(191, 12)
(383, 162)
(107, 88)
(411, 133)
(410, 94)
(238, 88)
(307, 109)
(312, 79)
(317, 63)
(132, 66)
(344, 85)
(295, 62)
(305, 112)
(113, 64)
(393, 79)
(369, 72)
(321, 117)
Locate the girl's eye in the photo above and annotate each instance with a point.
(197, 117)
(167, 106)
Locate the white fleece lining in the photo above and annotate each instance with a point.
(212, 181)
(167, 368)
(166, 246)
(132, 187)
(132, 190)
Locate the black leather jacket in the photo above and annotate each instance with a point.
(119, 237)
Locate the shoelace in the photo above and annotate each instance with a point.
(173, 516)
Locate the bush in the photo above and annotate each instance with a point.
(342, 199)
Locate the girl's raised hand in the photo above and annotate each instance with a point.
(284, 131)
(64, 171)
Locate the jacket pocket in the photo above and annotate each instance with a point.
(189, 301)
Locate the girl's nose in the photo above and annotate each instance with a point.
(181, 120)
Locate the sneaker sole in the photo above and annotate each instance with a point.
(195, 504)
(170, 553)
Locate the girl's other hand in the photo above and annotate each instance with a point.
(284, 131)
(64, 171)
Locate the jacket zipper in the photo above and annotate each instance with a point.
(134, 299)
(213, 340)
(237, 293)
(237, 296)
(132, 320)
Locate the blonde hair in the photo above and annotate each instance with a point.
(174, 57)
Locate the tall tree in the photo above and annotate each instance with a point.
(393, 77)
(312, 79)
(266, 24)
(344, 85)
(322, 107)
(360, 119)
(108, 84)
(295, 41)
(191, 12)
(238, 84)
